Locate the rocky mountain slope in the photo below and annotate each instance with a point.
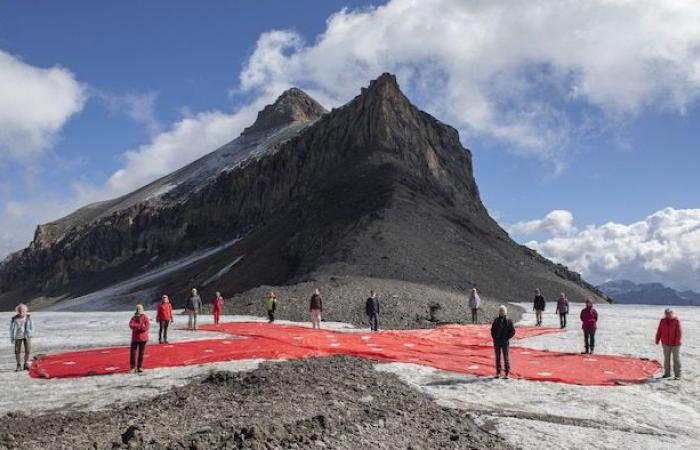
(376, 189)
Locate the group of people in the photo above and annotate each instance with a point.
(561, 310)
(502, 329)
(588, 316)
(140, 323)
(372, 309)
(668, 332)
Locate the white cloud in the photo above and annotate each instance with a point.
(35, 103)
(556, 223)
(185, 141)
(509, 70)
(664, 247)
(138, 107)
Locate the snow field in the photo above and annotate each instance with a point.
(660, 414)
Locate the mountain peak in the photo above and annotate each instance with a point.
(294, 105)
(384, 87)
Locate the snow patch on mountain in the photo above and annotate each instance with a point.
(118, 296)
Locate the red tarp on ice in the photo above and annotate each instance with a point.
(456, 348)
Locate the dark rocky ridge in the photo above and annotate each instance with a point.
(373, 189)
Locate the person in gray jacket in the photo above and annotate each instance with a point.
(21, 329)
(193, 307)
(474, 303)
(562, 309)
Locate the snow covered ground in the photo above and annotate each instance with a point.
(660, 414)
(63, 331)
(532, 415)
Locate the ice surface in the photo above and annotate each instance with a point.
(660, 414)
(532, 415)
(64, 331)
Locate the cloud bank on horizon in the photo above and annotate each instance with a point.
(663, 247)
(582, 67)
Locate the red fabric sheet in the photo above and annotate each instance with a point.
(463, 349)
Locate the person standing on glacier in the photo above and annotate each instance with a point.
(139, 324)
(193, 306)
(538, 305)
(502, 331)
(21, 329)
(372, 311)
(315, 309)
(217, 306)
(562, 309)
(474, 303)
(164, 317)
(669, 334)
(589, 324)
(271, 306)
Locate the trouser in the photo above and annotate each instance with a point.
(562, 320)
(27, 343)
(675, 351)
(191, 320)
(538, 316)
(141, 347)
(217, 316)
(475, 318)
(502, 348)
(589, 340)
(163, 330)
(374, 322)
(316, 318)
(271, 316)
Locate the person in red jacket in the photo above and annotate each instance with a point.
(164, 317)
(217, 305)
(589, 321)
(669, 334)
(139, 325)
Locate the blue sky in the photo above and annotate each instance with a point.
(591, 112)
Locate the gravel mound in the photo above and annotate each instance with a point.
(404, 305)
(336, 403)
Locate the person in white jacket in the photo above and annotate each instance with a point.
(20, 335)
(474, 303)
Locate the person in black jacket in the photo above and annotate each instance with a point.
(538, 306)
(502, 330)
(372, 310)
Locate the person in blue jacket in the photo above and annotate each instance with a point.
(21, 334)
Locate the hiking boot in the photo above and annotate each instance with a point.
(26, 366)
(19, 368)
